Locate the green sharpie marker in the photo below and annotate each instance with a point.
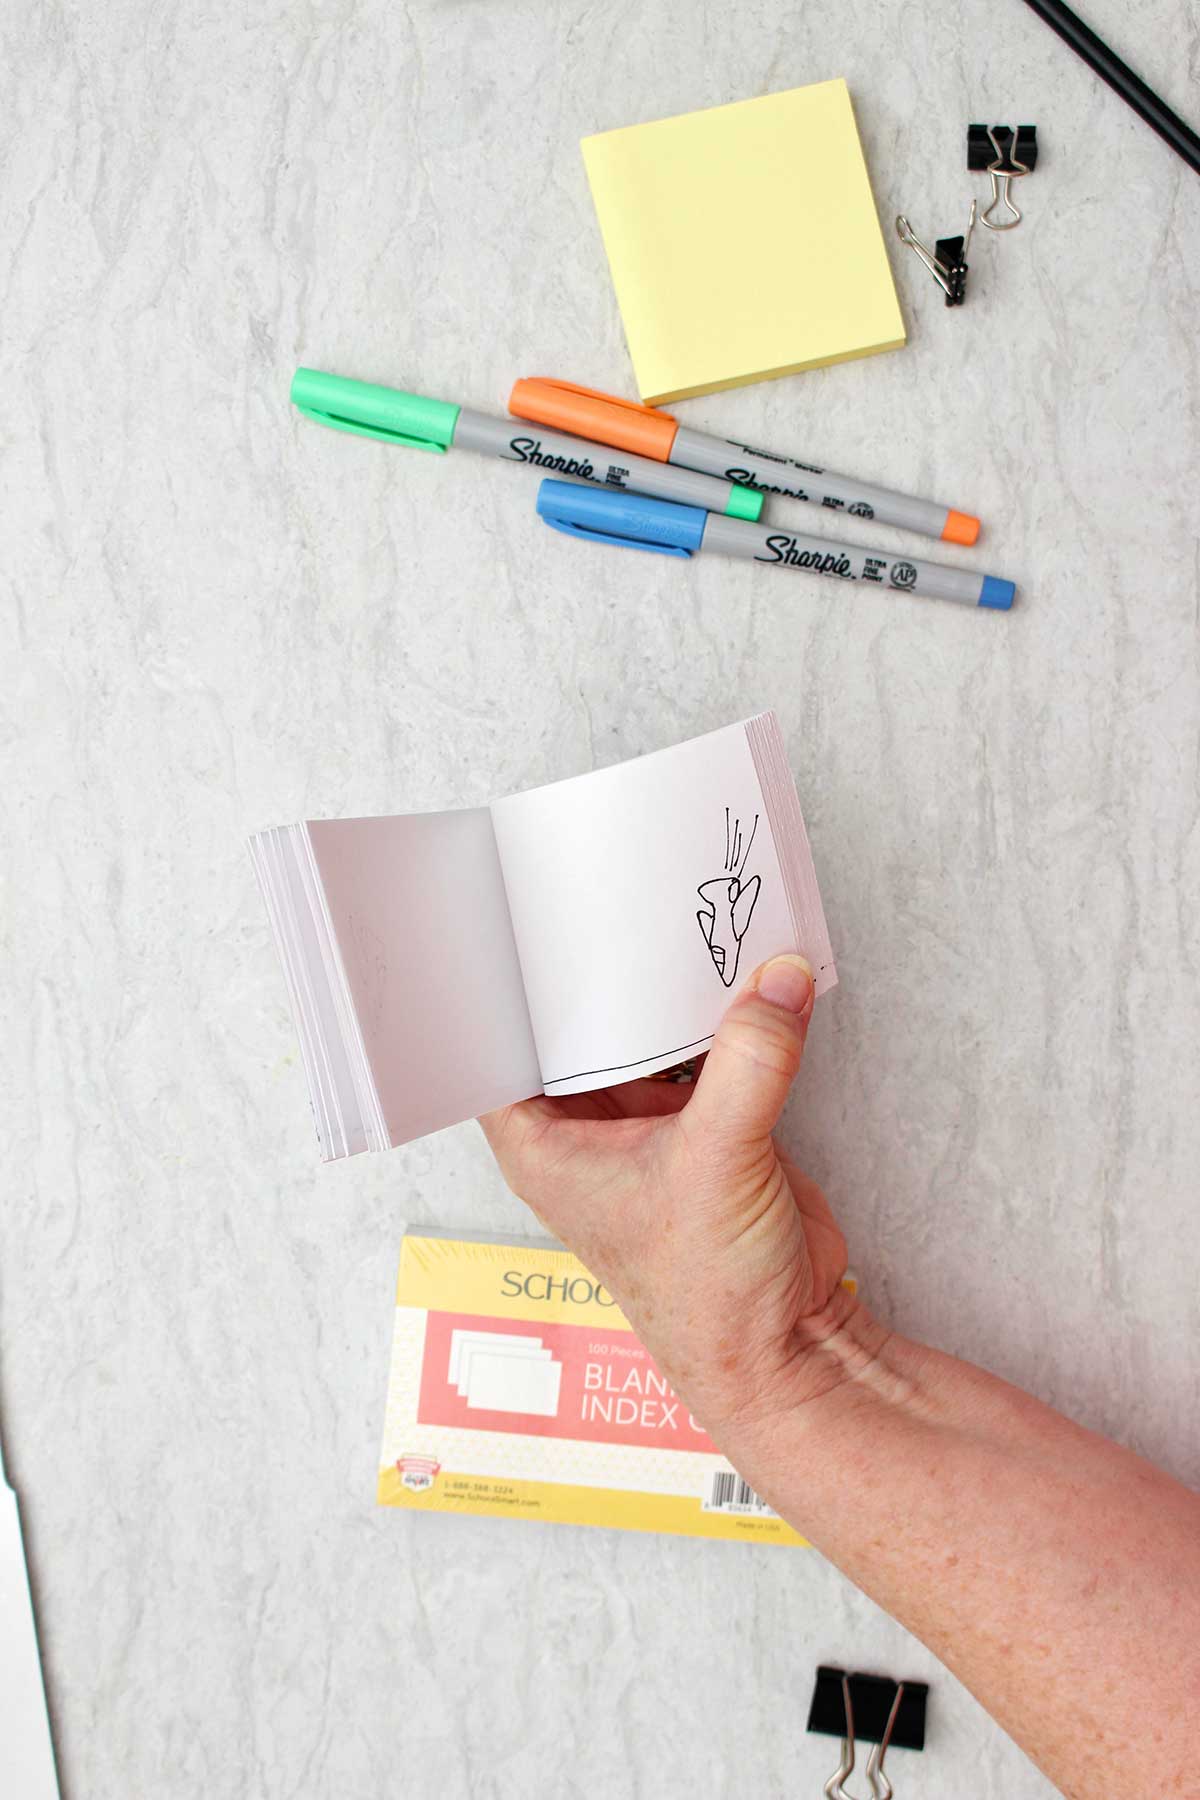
(437, 425)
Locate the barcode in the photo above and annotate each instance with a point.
(728, 1493)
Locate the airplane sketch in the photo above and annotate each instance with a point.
(729, 901)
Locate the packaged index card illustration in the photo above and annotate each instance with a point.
(519, 1390)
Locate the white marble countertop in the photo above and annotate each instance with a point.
(218, 617)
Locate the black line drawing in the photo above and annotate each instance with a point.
(616, 1068)
(729, 902)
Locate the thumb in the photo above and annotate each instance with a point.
(755, 1055)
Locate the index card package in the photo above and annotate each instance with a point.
(519, 1390)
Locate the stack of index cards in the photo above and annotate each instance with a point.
(518, 1389)
(501, 1372)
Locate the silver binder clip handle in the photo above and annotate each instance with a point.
(907, 235)
(1002, 178)
(881, 1787)
(833, 1789)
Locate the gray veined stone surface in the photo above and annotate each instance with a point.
(218, 616)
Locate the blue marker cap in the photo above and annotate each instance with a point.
(997, 593)
(612, 516)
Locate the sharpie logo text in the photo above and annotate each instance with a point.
(821, 562)
(747, 478)
(529, 450)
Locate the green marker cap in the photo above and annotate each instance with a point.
(375, 412)
(744, 503)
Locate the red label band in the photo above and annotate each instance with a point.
(554, 1381)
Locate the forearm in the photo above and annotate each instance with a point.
(1055, 1573)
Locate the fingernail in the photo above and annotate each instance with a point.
(787, 981)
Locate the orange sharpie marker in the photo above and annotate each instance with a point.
(647, 431)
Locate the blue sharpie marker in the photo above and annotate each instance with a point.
(667, 529)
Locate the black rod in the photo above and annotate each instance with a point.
(1144, 101)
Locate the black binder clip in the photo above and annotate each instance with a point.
(1006, 155)
(874, 1708)
(947, 262)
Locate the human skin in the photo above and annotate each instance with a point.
(1056, 1573)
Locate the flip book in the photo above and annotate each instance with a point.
(579, 935)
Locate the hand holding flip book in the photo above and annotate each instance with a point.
(569, 938)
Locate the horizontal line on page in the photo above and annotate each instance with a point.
(615, 1068)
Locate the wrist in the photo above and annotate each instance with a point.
(840, 1360)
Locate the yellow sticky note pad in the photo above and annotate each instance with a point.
(743, 242)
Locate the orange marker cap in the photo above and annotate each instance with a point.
(586, 413)
(960, 528)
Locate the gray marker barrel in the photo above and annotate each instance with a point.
(554, 452)
(843, 562)
(769, 474)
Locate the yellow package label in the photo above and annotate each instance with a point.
(518, 1389)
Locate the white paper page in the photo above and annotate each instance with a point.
(26, 1752)
(606, 875)
(419, 911)
(496, 1349)
(461, 1340)
(514, 1384)
(501, 1343)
